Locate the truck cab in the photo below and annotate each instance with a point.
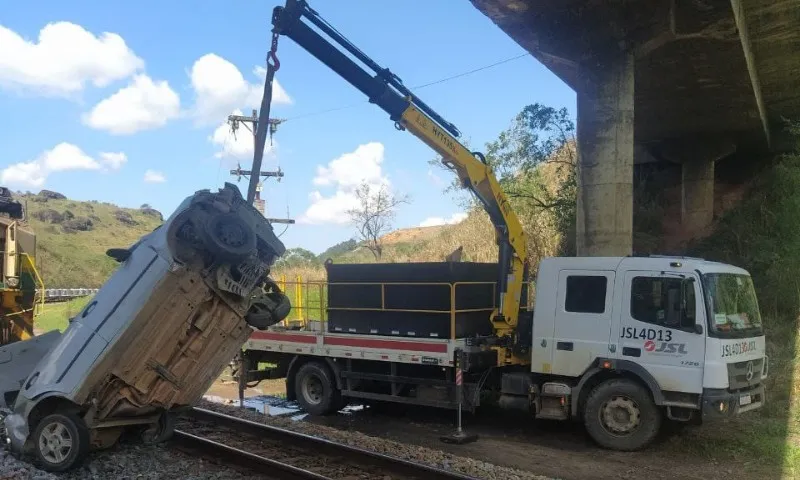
(623, 342)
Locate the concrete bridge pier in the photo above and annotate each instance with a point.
(697, 195)
(698, 158)
(605, 157)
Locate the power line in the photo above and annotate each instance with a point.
(424, 85)
(485, 67)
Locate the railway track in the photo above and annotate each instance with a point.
(282, 454)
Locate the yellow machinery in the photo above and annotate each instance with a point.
(20, 281)
(386, 90)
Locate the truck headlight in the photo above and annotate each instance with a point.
(723, 406)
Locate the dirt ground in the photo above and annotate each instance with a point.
(555, 449)
(226, 388)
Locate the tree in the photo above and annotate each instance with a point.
(535, 162)
(338, 249)
(374, 214)
(296, 257)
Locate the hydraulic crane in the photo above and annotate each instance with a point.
(386, 90)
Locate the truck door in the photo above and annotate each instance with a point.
(583, 320)
(658, 329)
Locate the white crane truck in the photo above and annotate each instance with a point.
(619, 343)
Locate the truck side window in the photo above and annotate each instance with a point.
(586, 294)
(657, 300)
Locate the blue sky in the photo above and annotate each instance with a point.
(126, 102)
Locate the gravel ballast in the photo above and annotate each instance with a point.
(414, 453)
(11, 468)
(125, 461)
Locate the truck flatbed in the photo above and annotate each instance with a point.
(314, 340)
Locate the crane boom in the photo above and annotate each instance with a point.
(386, 90)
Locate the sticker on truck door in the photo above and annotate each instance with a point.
(662, 335)
(665, 348)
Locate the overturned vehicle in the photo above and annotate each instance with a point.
(152, 340)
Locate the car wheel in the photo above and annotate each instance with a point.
(228, 236)
(160, 431)
(183, 237)
(267, 310)
(61, 440)
(316, 390)
(621, 415)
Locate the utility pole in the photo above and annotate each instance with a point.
(255, 185)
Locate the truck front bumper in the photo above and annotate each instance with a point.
(720, 403)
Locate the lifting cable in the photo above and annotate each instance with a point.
(263, 127)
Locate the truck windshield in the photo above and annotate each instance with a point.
(732, 305)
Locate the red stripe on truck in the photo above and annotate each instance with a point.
(283, 337)
(390, 344)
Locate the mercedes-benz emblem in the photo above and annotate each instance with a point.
(749, 374)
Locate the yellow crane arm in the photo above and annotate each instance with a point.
(386, 90)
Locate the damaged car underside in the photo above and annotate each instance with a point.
(153, 339)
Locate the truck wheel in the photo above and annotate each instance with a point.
(61, 440)
(316, 389)
(227, 235)
(620, 415)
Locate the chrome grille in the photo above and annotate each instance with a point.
(738, 373)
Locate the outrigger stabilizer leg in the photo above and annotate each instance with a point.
(459, 437)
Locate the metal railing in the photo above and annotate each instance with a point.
(60, 294)
(310, 300)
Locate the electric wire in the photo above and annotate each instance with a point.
(417, 87)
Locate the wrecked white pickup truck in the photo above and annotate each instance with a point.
(152, 340)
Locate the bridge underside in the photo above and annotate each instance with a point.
(689, 81)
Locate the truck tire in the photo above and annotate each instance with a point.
(61, 440)
(315, 389)
(620, 415)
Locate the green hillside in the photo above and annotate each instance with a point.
(72, 236)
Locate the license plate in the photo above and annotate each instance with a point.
(745, 400)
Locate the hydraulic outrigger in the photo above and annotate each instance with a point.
(386, 90)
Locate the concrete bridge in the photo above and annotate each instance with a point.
(687, 81)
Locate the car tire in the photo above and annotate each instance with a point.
(268, 310)
(61, 441)
(228, 236)
(184, 237)
(621, 415)
(315, 389)
(161, 431)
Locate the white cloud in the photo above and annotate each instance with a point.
(350, 169)
(64, 60)
(435, 221)
(153, 176)
(142, 105)
(220, 88)
(114, 160)
(332, 209)
(34, 173)
(344, 174)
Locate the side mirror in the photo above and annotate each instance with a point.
(698, 329)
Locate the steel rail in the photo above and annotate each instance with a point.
(317, 445)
